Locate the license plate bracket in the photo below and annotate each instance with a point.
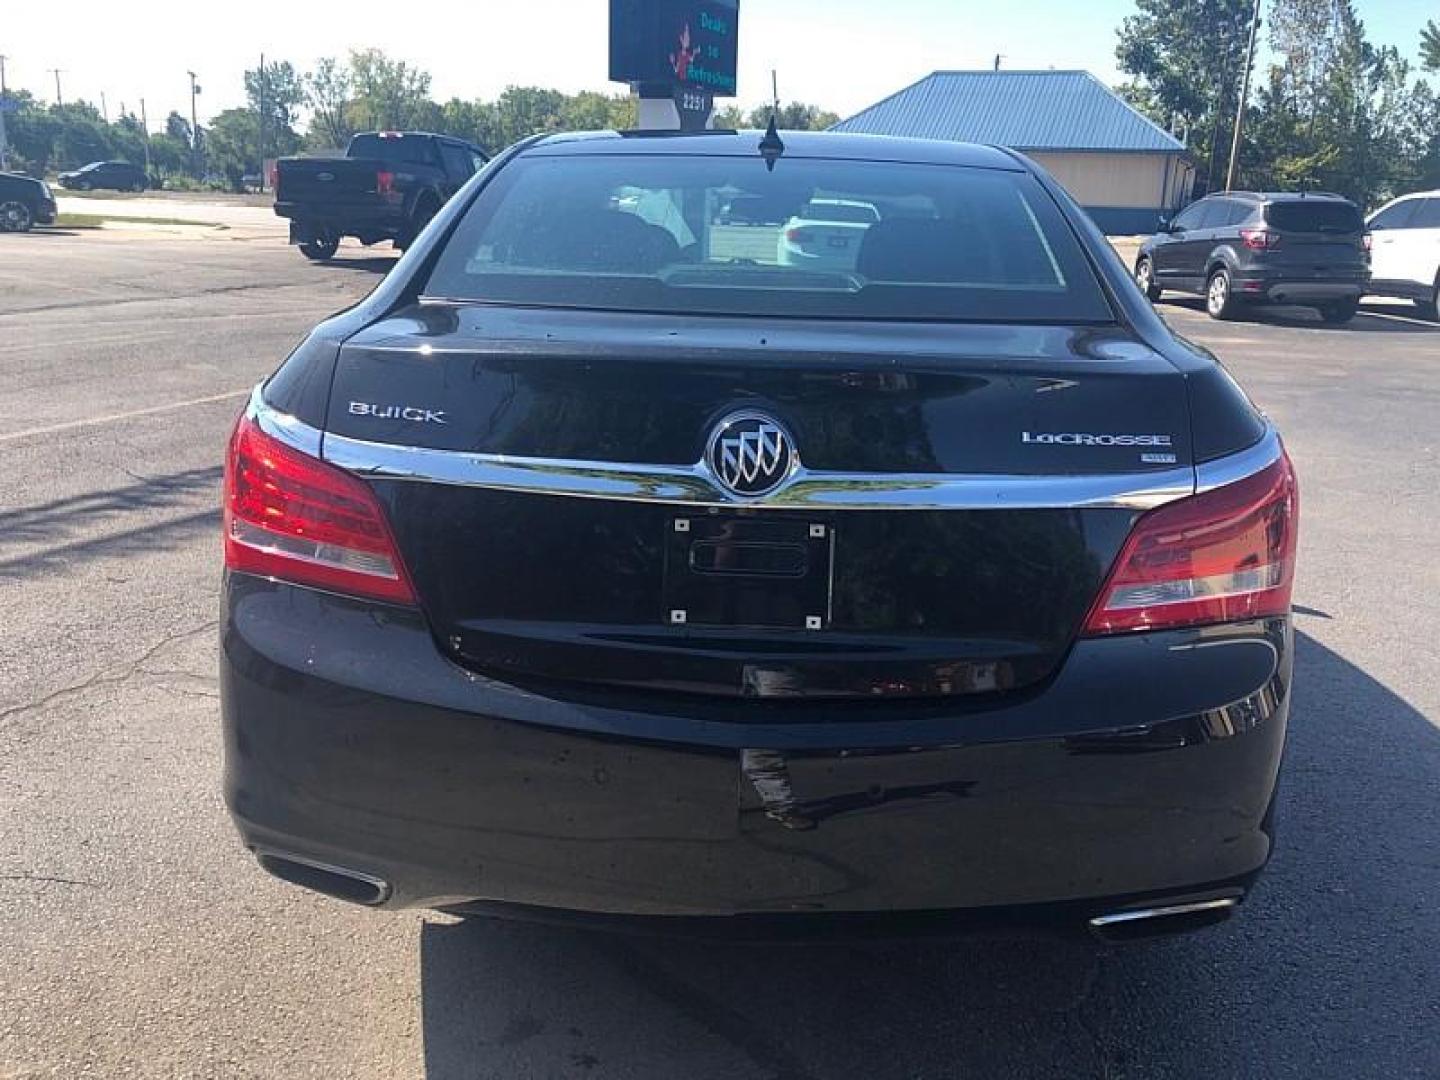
(748, 570)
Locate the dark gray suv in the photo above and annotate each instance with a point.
(1245, 247)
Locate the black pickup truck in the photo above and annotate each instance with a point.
(388, 186)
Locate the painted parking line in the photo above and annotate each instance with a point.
(112, 418)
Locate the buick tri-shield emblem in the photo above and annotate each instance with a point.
(750, 453)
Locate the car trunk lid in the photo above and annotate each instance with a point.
(961, 493)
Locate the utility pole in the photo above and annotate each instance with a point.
(57, 73)
(104, 108)
(145, 136)
(1244, 97)
(1215, 129)
(194, 127)
(260, 85)
(4, 90)
(998, 58)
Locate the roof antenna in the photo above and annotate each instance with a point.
(771, 146)
(998, 58)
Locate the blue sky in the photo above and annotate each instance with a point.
(842, 54)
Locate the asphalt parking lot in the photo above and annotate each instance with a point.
(137, 939)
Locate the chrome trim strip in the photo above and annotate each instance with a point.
(804, 489)
(1232, 467)
(282, 426)
(1101, 921)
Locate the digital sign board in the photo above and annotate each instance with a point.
(682, 44)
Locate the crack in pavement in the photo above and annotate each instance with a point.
(48, 880)
(103, 678)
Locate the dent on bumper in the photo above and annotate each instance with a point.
(351, 741)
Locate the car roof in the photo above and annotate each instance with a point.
(806, 144)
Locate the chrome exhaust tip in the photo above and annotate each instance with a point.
(337, 881)
(1136, 923)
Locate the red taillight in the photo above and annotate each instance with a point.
(797, 235)
(1260, 239)
(1221, 556)
(294, 517)
(385, 183)
(1367, 241)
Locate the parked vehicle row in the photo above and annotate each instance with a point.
(1240, 249)
(388, 186)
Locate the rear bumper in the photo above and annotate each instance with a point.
(308, 219)
(1145, 770)
(1283, 290)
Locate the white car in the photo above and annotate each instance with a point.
(1405, 250)
(826, 234)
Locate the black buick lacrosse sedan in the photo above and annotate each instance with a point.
(887, 561)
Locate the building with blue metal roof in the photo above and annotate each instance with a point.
(1127, 171)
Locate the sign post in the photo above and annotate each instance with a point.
(678, 55)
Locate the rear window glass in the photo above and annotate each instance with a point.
(414, 148)
(834, 210)
(1315, 217)
(814, 238)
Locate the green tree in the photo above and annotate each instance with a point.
(796, 116)
(327, 92)
(386, 94)
(1186, 57)
(1336, 112)
(81, 135)
(728, 117)
(177, 127)
(1430, 46)
(233, 148)
(281, 88)
(31, 131)
(169, 156)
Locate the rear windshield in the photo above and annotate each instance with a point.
(413, 148)
(658, 233)
(1327, 217)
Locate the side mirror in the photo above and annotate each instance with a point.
(1167, 226)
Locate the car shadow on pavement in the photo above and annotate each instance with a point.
(1329, 970)
(373, 264)
(1372, 318)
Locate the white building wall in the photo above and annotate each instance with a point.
(1130, 181)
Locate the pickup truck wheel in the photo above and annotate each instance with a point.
(320, 248)
(15, 216)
